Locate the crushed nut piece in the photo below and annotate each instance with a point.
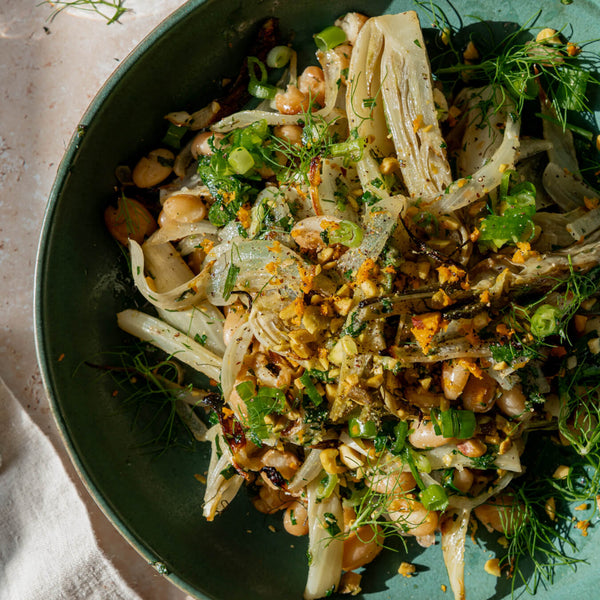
(406, 569)
(350, 583)
(492, 566)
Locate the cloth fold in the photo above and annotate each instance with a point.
(47, 546)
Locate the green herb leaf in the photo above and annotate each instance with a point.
(259, 404)
(513, 223)
(310, 389)
(434, 497)
(230, 280)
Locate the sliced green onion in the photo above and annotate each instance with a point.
(310, 389)
(347, 233)
(358, 428)
(253, 63)
(434, 497)
(245, 390)
(174, 134)
(350, 149)
(545, 321)
(258, 86)
(505, 182)
(326, 486)
(422, 462)
(253, 135)
(453, 423)
(400, 435)
(278, 57)
(240, 160)
(329, 38)
(408, 456)
(264, 91)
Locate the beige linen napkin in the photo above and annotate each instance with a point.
(47, 547)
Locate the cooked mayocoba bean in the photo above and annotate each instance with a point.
(203, 143)
(454, 379)
(290, 133)
(184, 208)
(423, 435)
(479, 393)
(412, 517)
(295, 519)
(129, 219)
(512, 402)
(312, 84)
(504, 514)
(292, 101)
(362, 545)
(153, 168)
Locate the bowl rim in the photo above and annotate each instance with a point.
(60, 180)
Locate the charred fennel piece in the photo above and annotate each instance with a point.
(220, 488)
(409, 105)
(454, 532)
(170, 340)
(485, 113)
(562, 151)
(182, 296)
(202, 322)
(390, 87)
(366, 117)
(467, 190)
(325, 546)
(564, 188)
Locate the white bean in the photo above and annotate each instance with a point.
(295, 519)
(479, 393)
(201, 144)
(184, 208)
(512, 402)
(424, 436)
(292, 101)
(153, 169)
(412, 517)
(454, 379)
(503, 514)
(312, 84)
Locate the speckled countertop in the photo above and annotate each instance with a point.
(49, 73)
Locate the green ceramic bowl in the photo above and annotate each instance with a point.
(154, 500)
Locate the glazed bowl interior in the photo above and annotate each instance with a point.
(154, 498)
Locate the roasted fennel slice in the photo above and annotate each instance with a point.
(398, 95)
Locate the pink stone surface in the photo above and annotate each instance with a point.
(49, 73)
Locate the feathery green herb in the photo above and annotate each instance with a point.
(111, 10)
